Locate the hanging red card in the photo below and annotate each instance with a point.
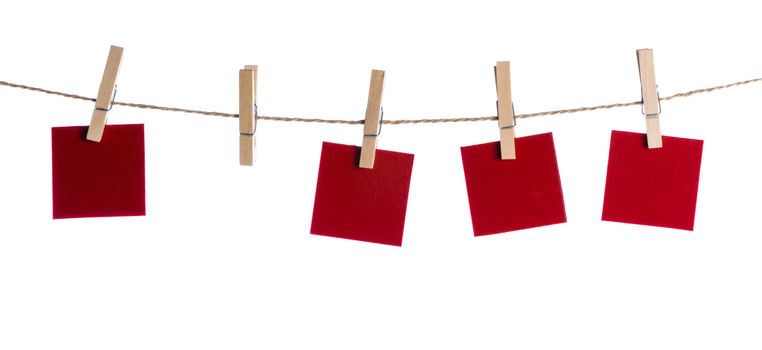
(655, 187)
(361, 204)
(96, 179)
(509, 195)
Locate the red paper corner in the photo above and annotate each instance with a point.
(509, 195)
(655, 187)
(361, 204)
(97, 179)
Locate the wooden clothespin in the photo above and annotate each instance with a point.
(650, 95)
(106, 94)
(247, 113)
(506, 119)
(373, 117)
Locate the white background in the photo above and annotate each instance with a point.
(224, 258)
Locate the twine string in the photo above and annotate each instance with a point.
(390, 122)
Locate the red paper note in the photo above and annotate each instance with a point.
(509, 195)
(94, 179)
(361, 204)
(655, 187)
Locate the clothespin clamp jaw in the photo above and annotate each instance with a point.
(106, 94)
(374, 115)
(247, 114)
(506, 117)
(650, 97)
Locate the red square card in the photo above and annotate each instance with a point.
(93, 179)
(509, 195)
(655, 187)
(361, 204)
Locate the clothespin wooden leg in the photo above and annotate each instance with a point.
(105, 94)
(247, 113)
(505, 117)
(507, 143)
(653, 132)
(373, 115)
(650, 94)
